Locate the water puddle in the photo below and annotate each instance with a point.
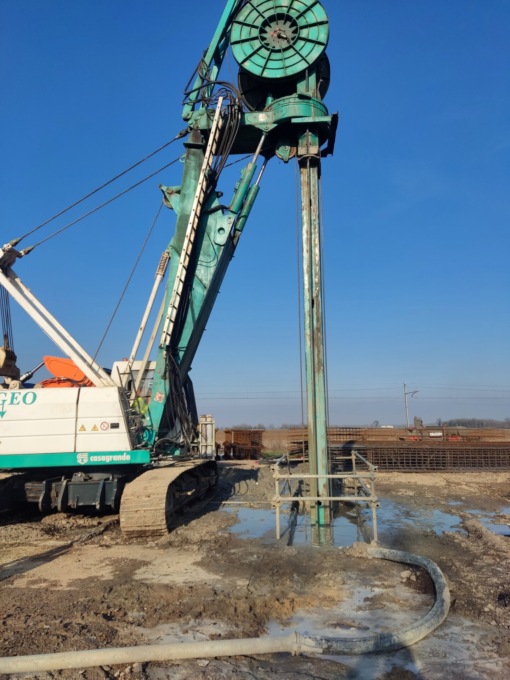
(296, 529)
(253, 522)
(497, 522)
(351, 524)
(368, 610)
(394, 516)
(361, 613)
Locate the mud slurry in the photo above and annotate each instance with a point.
(70, 582)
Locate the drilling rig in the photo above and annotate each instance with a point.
(126, 437)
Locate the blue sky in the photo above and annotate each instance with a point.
(415, 200)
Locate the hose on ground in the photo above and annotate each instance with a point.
(293, 643)
(387, 642)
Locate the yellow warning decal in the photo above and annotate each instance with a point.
(82, 429)
(95, 428)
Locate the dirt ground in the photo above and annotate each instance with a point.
(72, 582)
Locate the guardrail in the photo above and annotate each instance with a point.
(357, 486)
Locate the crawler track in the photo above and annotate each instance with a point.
(10, 485)
(151, 502)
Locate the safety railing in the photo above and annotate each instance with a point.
(357, 485)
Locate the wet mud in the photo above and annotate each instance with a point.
(71, 582)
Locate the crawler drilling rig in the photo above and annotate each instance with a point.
(126, 437)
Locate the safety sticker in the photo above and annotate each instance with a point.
(104, 426)
(82, 429)
(95, 428)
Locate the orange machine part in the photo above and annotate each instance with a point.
(66, 372)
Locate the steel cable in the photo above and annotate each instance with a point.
(102, 205)
(142, 249)
(299, 284)
(103, 186)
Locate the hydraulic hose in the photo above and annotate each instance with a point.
(293, 643)
(386, 642)
(144, 653)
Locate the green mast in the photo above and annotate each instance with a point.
(280, 45)
(276, 108)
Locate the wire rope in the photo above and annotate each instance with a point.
(142, 249)
(99, 207)
(299, 284)
(239, 160)
(104, 185)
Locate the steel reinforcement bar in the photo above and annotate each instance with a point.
(416, 459)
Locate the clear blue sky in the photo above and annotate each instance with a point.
(416, 202)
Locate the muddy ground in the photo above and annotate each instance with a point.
(72, 582)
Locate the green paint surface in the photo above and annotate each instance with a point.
(81, 459)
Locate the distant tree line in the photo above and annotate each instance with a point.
(480, 423)
(476, 423)
(246, 426)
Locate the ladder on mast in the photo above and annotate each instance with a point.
(191, 230)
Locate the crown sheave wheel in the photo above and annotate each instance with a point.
(279, 38)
